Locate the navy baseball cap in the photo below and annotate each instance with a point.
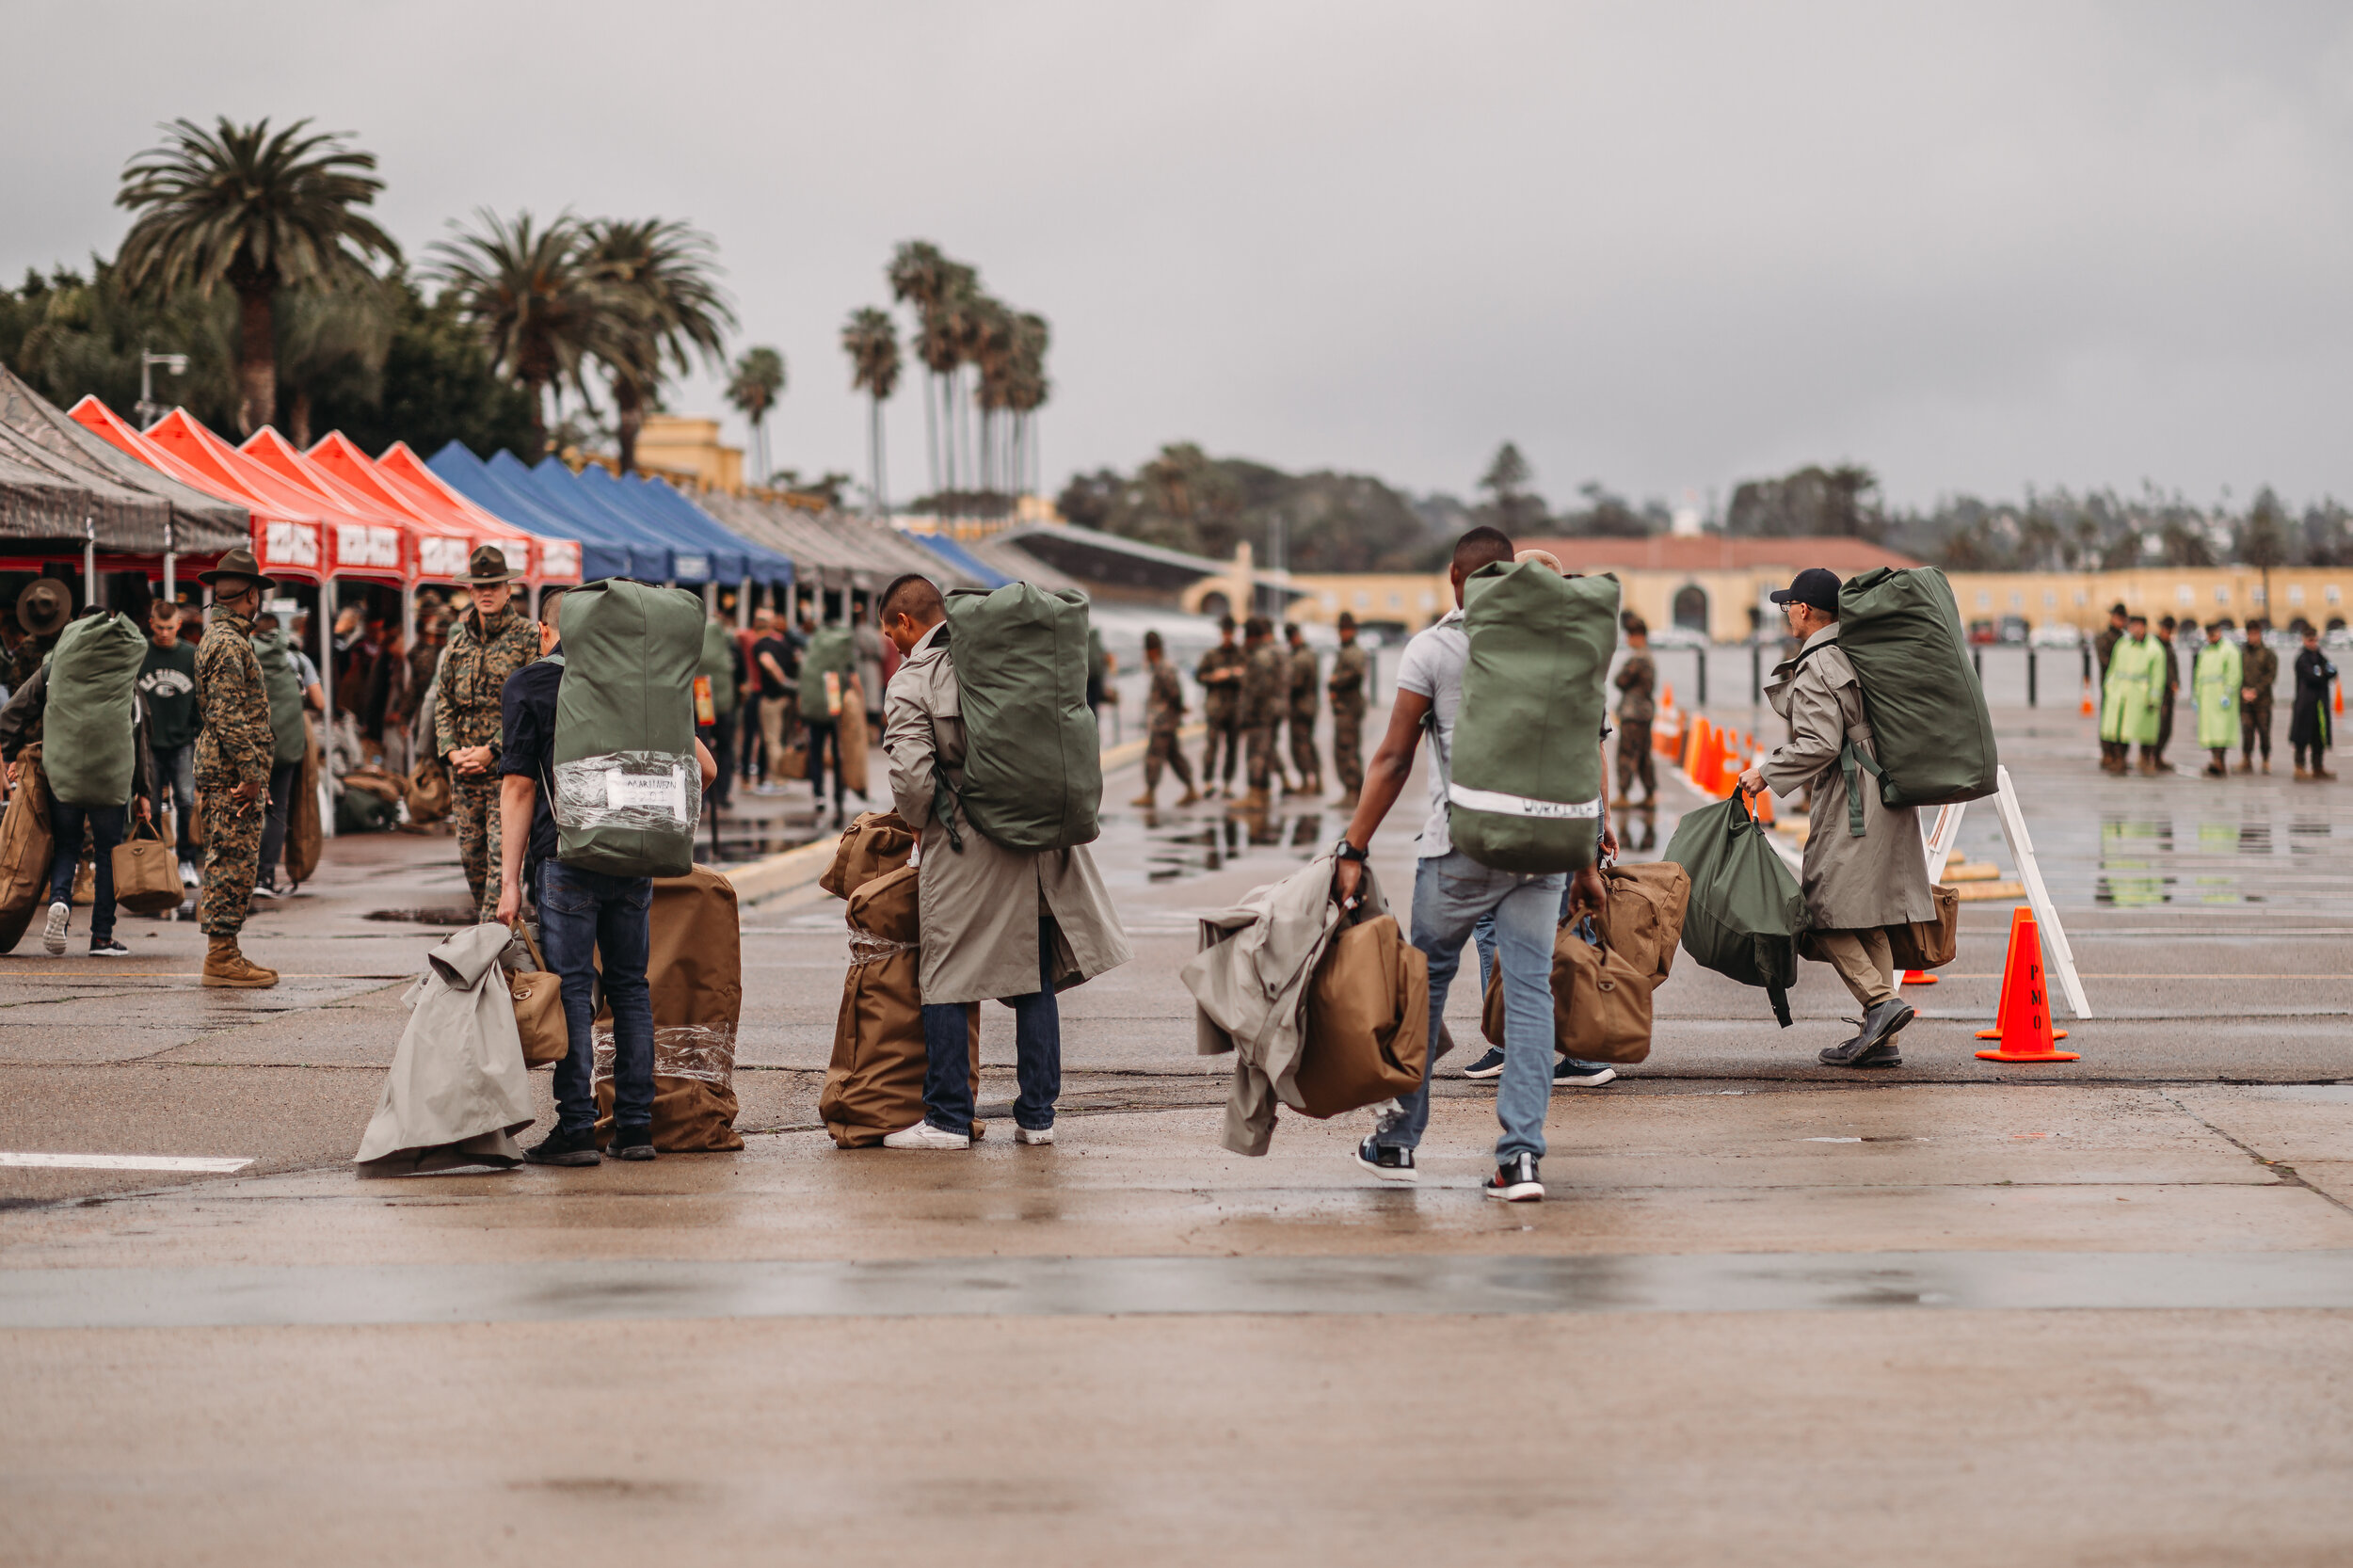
(1814, 586)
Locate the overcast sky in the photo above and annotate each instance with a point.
(1664, 246)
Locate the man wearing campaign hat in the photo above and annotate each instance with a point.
(234, 749)
(487, 643)
(1857, 883)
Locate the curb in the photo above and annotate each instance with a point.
(790, 869)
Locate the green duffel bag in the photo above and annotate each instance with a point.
(1900, 628)
(284, 682)
(1524, 771)
(1032, 765)
(86, 730)
(718, 666)
(627, 789)
(1746, 911)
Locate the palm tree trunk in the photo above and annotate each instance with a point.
(257, 360)
(628, 419)
(299, 418)
(931, 425)
(537, 392)
(882, 465)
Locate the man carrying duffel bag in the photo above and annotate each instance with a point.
(1513, 806)
(1864, 867)
(595, 802)
(995, 762)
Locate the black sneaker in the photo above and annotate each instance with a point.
(1514, 1181)
(106, 947)
(1489, 1065)
(1849, 1053)
(1571, 1073)
(565, 1148)
(631, 1142)
(1388, 1161)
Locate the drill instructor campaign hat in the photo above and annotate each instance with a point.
(486, 568)
(237, 563)
(45, 607)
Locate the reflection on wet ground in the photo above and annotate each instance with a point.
(2250, 857)
(1197, 840)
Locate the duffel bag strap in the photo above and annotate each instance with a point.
(1779, 996)
(1854, 762)
(944, 796)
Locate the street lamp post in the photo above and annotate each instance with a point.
(149, 409)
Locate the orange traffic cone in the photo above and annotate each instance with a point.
(1761, 803)
(1917, 977)
(2001, 1009)
(2025, 1016)
(2339, 703)
(2086, 699)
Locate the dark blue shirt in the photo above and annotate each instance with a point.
(527, 726)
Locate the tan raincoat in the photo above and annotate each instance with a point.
(979, 906)
(456, 1093)
(1852, 883)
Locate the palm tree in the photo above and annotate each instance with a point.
(870, 339)
(527, 292)
(256, 210)
(331, 341)
(1026, 393)
(664, 307)
(757, 383)
(917, 275)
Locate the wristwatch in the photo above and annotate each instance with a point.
(1346, 850)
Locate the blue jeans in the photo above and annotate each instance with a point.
(584, 916)
(1037, 1052)
(1484, 938)
(1452, 892)
(106, 828)
(175, 775)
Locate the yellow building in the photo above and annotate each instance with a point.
(2201, 594)
(686, 450)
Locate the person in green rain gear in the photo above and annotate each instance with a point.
(2135, 685)
(2216, 679)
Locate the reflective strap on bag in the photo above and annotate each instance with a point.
(1497, 802)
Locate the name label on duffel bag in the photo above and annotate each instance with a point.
(1501, 805)
(647, 792)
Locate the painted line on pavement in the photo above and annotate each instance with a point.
(586, 1290)
(218, 1164)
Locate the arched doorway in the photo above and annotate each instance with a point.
(1214, 604)
(1690, 608)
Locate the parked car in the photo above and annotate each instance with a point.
(1982, 632)
(2058, 633)
(1677, 637)
(2013, 629)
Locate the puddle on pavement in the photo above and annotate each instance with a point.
(2212, 861)
(1179, 848)
(453, 915)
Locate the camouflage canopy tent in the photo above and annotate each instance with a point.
(61, 485)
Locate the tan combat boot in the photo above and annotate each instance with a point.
(225, 966)
(1145, 800)
(1191, 796)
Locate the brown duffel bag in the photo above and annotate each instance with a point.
(696, 965)
(1367, 1021)
(305, 834)
(146, 871)
(856, 740)
(538, 997)
(878, 843)
(1643, 919)
(428, 792)
(24, 850)
(1601, 1002)
(1928, 944)
(874, 1081)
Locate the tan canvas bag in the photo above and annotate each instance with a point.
(1367, 1021)
(147, 871)
(877, 844)
(874, 1081)
(1928, 944)
(539, 1007)
(1643, 919)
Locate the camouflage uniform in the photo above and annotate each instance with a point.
(1634, 680)
(1220, 702)
(466, 713)
(1347, 686)
(1303, 717)
(1264, 684)
(234, 745)
(2259, 672)
(1164, 712)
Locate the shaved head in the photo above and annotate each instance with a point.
(1481, 546)
(914, 596)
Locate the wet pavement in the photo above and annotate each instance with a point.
(1958, 1311)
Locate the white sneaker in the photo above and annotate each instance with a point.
(922, 1135)
(189, 877)
(53, 935)
(1033, 1135)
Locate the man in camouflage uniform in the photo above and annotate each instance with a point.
(1220, 675)
(1347, 686)
(2259, 672)
(1265, 689)
(234, 749)
(1164, 712)
(488, 643)
(1303, 714)
(1636, 680)
(43, 610)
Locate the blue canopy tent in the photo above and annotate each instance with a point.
(486, 485)
(558, 487)
(663, 499)
(962, 559)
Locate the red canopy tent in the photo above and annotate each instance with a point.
(557, 560)
(287, 528)
(371, 539)
(458, 526)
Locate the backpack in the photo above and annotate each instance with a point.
(1033, 764)
(1524, 774)
(718, 666)
(86, 722)
(1900, 628)
(831, 651)
(627, 789)
(284, 682)
(1746, 911)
